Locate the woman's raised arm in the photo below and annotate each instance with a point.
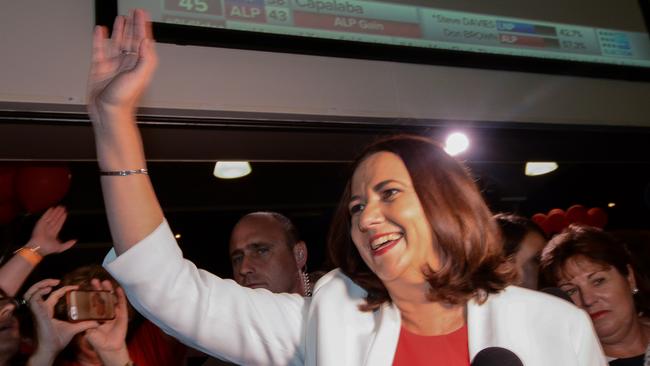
(121, 69)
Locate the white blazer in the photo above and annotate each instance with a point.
(257, 327)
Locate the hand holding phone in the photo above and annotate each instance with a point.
(109, 338)
(90, 305)
(53, 334)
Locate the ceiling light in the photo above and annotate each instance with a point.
(611, 204)
(540, 167)
(231, 169)
(456, 143)
(177, 236)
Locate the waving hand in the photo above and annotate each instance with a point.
(46, 232)
(121, 66)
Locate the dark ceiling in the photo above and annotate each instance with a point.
(300, 169)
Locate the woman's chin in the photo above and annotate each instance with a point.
(387, 276)
(392, 269)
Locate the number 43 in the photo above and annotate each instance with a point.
(196, 5)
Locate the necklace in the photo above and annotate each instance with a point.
(306, 284)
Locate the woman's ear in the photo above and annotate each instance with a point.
(300, 254)
(631, 280)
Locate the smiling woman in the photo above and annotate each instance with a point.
(410, 188)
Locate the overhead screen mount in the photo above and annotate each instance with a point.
(409, 32)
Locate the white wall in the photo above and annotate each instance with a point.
(45, 47)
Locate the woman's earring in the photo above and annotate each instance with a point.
(635, 291)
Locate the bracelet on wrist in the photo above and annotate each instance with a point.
(30, 254)
(123, 173)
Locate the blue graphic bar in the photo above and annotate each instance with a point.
(516, 27)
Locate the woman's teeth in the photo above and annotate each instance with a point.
(380, 242)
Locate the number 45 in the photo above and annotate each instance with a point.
(196, 5)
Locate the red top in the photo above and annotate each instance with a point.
(150, 346)
(445, 350)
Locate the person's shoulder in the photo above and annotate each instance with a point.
(531, 301)
(524, 294)
(530, 314)
(332, 278)
(335, 281)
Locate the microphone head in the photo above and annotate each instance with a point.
(496, 356)
(557, 292)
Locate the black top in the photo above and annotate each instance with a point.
(630, 361)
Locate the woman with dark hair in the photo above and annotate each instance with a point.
(422, 277)
(523, 242)
(597, 273)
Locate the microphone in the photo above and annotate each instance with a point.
(557, 292)
(496, 356)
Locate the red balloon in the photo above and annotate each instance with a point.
(556, 220)
(545, 227)
(577, 214)
(41, 187)
(597, 217)
(539, 218)
(7, 175)
(8, 212)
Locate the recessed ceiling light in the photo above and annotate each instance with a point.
(231, 169)
(611, 204)
(540, 167)
(177, 236)
(456, 143)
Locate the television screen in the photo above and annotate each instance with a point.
(599, 38)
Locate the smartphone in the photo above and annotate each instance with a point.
(90, 305)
